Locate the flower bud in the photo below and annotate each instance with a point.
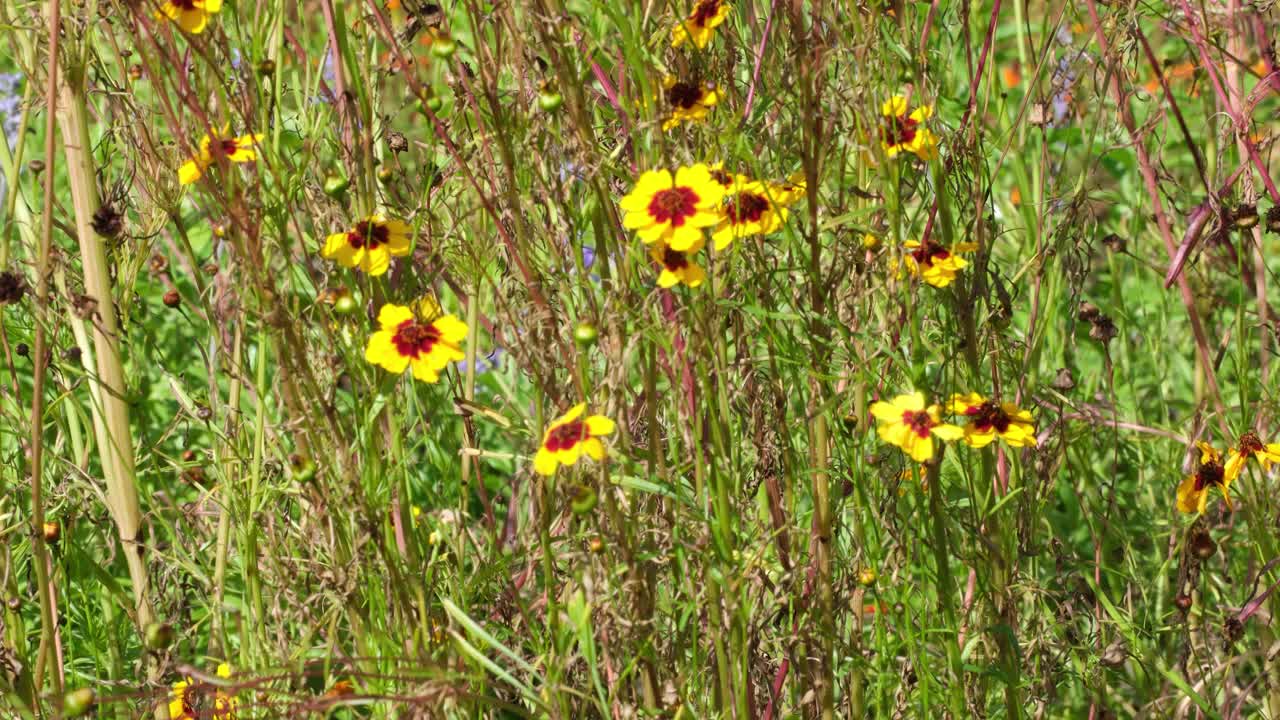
(585, 335)
(77, 702)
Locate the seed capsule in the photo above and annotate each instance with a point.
(77, 702)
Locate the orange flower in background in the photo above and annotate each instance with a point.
(701, 23)
(751, 208)
(910, 424)
(902, 130)
(216, 147)
(427, 342)
(190, 15)
(934, 263)
(673, 209)
(677, 267)
(569, 437)
(988, 419)
(1251, 446)
(1193, 491)
(369, 245)
(687, 102)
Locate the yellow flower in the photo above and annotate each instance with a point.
(677, 267)
(751, 208)
(673, 210)
(701, 23)
(191, 15)
(370, 244)
(907, 423)
(569, 437)
(1251, 446)
(935, 264)
(216, 147)
(689, 102)
(184, 699)
(903, 132)
(870, 242)
(794, 188)
(1193, 491)
(988, 419)
(427, 343)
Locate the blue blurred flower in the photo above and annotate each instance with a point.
(485, 363)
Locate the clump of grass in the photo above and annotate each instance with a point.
(693, 359)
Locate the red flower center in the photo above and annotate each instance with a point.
(898, 130)
(746, 207)
(989, 415)
(703, 13)
(674, 260)
(1210, 474)
(413, 339)
(919, 422)
(673, 205)
(1250, 444)
(184, 4)
(368, 234)
(928, 252)
(566, 436)
(228, 146)
(684, 95)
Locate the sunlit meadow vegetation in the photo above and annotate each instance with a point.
(749, 359)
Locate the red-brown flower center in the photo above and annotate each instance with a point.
(919, 422)
(898, 130)
(673, 205)
(184, 4)
(1250, 443)
(566, 436)
(928, 252)
(703, 13)
(746, 207)
(989, 415)
(684, 95)
(674, 260)
(722, 177)
(228, 146)
(1209, 475)
(414, 339)
(368, 234)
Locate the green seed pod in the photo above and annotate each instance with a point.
(584, 500)
(585, 335)
(345, 304)
(335, 186)
(303, 469)
(158, 636)
(386, 174)
(77, 702)
(550, 101)
(443, 47)
(432, 103)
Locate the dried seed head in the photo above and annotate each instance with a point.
(1232, 630)
(1183, 601)
(1245, 216)
(396, 142)
(1114, 242)
(36, 166)
(22, 350)
(1201, 544)
(1064, 380)
(71, 354)
(204, 413)
(1273, 219)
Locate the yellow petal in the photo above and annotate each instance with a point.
(376, 261)
(391, 317)
(452, 330)
(425, 370)
(572, 414)
(600, 425)
(544, 462)
(1189, 499)
(381, 351)
(947, 431)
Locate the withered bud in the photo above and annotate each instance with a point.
(1245, 216)
(71, 354)
(12, 288)
(1183, 601)
(1087, 312)
(1114, 655)
(203, 412)
(1273, 219)
(135, 72)
(1201, 544)
(396, 142)
(188, 455)
(107, 221)
(158, 263)
(52, 532)
(1232, 630)
(36, 166)
(1114, 242)
(172, 299)
(1103, 330)
(1064, 380)
(22, 350)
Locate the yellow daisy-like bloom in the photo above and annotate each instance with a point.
(184, 699)
(370, 245)
(935, 264)
(1193, 491)
(427, 343)
(751, 208)
(870, 242)
(701, 24)
(988, 419)
(569, 437)
(677, 267)
(794, 188)
(1250, 446)
(216, 147)
(673, 209)
(901, 131)
(191, 15)
(688, 102)
(909, 424)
